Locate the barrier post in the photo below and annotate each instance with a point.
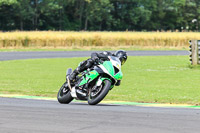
(194, 52)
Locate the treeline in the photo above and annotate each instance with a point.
(100, 15)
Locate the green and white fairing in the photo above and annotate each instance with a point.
(111, 68)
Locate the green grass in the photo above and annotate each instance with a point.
(162, 79)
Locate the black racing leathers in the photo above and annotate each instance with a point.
(103, 55)
(90, 62)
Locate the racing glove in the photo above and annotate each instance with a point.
(95, 59)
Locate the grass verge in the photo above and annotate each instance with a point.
(153, 79)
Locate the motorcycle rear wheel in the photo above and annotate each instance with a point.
(104, 91)
(64, 96)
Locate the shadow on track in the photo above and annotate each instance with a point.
(85, 104)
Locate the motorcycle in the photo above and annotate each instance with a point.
(93, 84)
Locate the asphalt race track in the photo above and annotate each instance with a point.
(40, 116)
(68, 54)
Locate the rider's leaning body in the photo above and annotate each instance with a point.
(121, 54)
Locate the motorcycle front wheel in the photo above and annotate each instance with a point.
(95, 99)
(64, 96)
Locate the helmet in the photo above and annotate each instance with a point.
(122, 55)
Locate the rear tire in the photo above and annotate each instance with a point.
(101, 95)
(64, 96)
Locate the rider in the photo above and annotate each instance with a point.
(121, 54)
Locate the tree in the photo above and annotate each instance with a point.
(130, 15)
(118, 15)
(24, 13)
(97, 14)
(7, 14)
(191, 14)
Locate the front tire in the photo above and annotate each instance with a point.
(64, 96)
(101, 95)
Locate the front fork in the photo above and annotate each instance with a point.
(99, 82)
(68, 72)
